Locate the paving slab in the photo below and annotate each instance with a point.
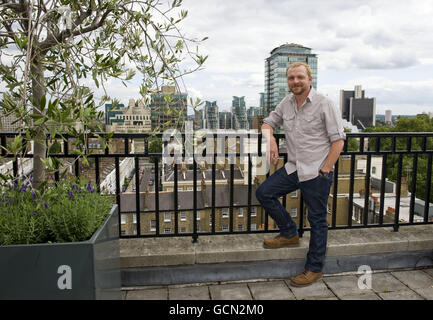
(347, 285)
(426, 293)
(189, 293)
(230, 292)
(400, 295)
(147, 294)
(271, 290)
(414, 279)
(317, 290)
(363, 296)
(386, 282)
(429, 271)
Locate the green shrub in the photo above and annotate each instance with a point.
(66, 212)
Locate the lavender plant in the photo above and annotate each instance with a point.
(67, 212)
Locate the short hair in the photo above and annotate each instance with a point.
(298, 64)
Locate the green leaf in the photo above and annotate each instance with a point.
(55, 147)
(42, 103)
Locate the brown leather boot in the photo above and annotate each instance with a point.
(280, 242)
(305, 278)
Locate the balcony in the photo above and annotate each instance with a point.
(196, 220)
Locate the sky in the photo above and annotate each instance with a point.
(384, 46)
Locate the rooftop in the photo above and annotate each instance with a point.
(238, 267)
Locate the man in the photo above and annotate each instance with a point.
(315, 138)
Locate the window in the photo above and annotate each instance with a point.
(294, 212)
(294, 194)
(134, 218)
(225, 212)
(167, 230)
(182, 229)
(373, 170)
(240, 227)
(183, 216)
(253, 211)
(225, 227)
(152, 225)
(198, 215)
(253, 226)
(123, 219)
(167, 216)
(240, 212)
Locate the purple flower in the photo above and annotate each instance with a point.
(34, 213)
(89, 188)
(46, 206)
(33, 194)
(71, 195)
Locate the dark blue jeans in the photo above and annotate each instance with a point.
(315, 193)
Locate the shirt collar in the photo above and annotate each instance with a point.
(311, 95)
(310, 98)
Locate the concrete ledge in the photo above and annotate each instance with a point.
(149, 261)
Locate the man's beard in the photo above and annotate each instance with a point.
(299, 90)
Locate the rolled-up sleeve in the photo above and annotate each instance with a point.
(333, 122)
(275, 118)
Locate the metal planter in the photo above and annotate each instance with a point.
(75, 270)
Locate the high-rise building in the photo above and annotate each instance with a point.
(162, 108)
(357, 109)
(225, 120)
(253, 112)
(388, 117)
(210, 118)
(276, 87)
(262, 100)
(239, 113)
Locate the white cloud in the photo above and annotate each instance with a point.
(382, 45)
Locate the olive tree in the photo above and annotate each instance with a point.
(55, 54)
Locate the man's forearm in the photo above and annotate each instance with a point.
(267, 131)
(334, 153)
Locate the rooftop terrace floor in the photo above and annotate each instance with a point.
(237, 267)
(414, 284)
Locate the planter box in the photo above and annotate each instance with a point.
(74, 270)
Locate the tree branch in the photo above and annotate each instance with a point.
(65, 34)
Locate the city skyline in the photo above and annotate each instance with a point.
(380, 45)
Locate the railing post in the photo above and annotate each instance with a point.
(195, 234)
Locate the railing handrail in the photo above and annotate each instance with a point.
(362, 137)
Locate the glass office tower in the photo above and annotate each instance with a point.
(276, 87)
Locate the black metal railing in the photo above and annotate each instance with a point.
(415, 150)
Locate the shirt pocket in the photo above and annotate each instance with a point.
(311, 124)
(289, 122)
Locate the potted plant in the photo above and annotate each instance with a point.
(60, 57)
(58, 242)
